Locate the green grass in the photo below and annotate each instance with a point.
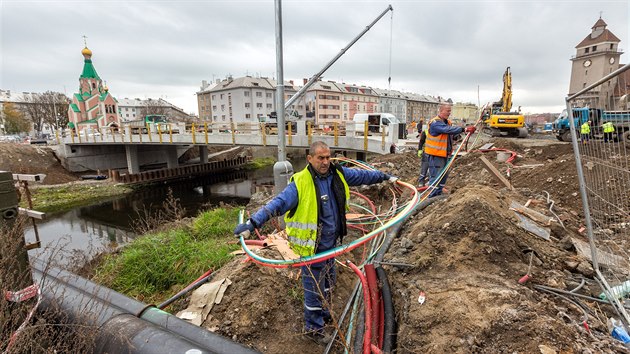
(68, 196)
(156, 266)
(260, 163)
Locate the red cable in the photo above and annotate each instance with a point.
(368, 308)
(370, 274)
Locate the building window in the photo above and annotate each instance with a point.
(259, 115)
(246, 104)
(268, 94)
(611, 46)
(223, 117)
(222, 107)
(127, 115)
(258, 105)
(268, 105)
(585, 72)
(248, 116)
(594, 48)
(584, 85)
(214, 108)
(300, 106)
(214, 97)
(214, 117)
(246, 93)
(258, 94)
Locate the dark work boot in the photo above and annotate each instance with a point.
(321, 338)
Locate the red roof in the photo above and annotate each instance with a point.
(599, 23)
(606, 36)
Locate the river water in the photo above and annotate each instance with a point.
(75, 236)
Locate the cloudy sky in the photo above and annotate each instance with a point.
(165, 48)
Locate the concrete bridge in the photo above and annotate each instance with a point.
(107, 149)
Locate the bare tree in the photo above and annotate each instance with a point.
(46, 108)
(55, 105)
(31, 107)
(152, 106)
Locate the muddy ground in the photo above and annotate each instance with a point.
(467, 255)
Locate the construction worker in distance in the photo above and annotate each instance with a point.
(585, 131)
(609, 131)
(314, 206)
(439, 146)
(424, 161)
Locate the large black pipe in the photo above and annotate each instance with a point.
(125, 325)
(392, 233)
(389, 330)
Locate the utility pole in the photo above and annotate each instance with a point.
(282, 170)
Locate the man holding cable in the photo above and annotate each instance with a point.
(439, 146)
(314, 206)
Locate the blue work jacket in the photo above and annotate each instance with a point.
(329, 218)
(440, 127)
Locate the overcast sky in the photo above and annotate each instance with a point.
(442, 48)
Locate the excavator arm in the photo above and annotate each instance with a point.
(506, 99)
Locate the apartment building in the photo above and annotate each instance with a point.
(135, 108)
(357, 99)
(244, 99)
(466, 112)
(323, 102)
(421, 107)
(392, 101)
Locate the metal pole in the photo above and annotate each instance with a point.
(343, 51)
(282, 170)
(280, 107)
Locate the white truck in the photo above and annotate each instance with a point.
(376, 121)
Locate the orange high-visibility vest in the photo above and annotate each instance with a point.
(436, 145)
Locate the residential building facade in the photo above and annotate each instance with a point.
(421, 108)
(135, 108)
(324, 102)
(392, 101)
(357, 99)
(466, 112)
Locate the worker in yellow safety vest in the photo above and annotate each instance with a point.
(609, 131)
(314, 206)
(585, 131)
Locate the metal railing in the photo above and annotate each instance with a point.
(373, 138)
(599, 118)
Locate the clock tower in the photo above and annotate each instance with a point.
(596, 56)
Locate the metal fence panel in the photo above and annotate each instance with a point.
(599, 121)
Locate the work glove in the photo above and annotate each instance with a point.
(244, 229)
(420, 153)
(391, 179)
(470, 129)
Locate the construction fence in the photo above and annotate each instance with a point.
(599, 117)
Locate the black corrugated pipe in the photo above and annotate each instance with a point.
(389, 332)
(124, 325)
(359, 324)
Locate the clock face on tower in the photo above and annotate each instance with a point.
(611, 61)
(587, 63)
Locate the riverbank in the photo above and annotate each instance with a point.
(161, 263)
(61, 197)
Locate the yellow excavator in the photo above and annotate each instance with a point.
(498, 120)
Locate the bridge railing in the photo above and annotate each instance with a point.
(361, 137)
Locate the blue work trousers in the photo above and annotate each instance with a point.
(436, 165)
(318, 280)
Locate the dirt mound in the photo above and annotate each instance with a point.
(33, 159)
(466, 254)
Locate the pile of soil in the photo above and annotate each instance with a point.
(466, 254)
(33, 159)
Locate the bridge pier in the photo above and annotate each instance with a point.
(133, 165)
(203, 154)
(171, 157)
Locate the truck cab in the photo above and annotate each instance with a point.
(561, 128)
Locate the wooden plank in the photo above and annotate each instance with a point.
(496, 173)
(530, 213)
(279, 240)
(486, 146)
(29, 178)
(32, 213)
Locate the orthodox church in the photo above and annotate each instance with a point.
(93, 107)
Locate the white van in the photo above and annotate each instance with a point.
(375, 121)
